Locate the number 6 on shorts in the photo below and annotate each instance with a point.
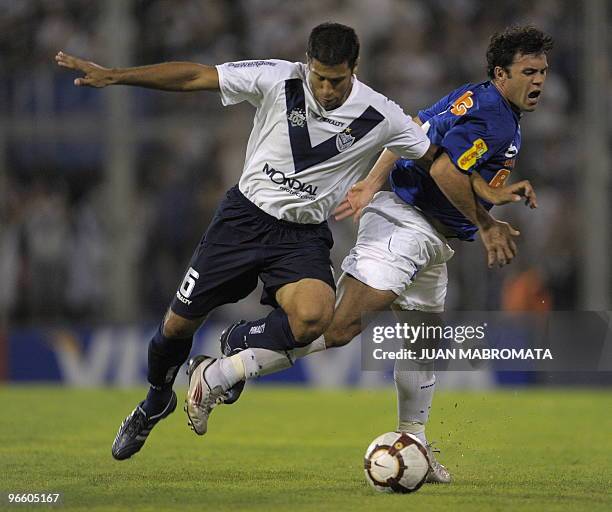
(189, 282)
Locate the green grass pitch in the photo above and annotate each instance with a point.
(281, 449)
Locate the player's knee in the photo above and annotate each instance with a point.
(306, 333)
(176, 326)
(308, 322)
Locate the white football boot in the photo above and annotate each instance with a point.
(438, 474)
(201, 398)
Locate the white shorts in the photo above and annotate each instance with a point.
(398, 249)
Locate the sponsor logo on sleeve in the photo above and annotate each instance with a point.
(500, 178)
(467, 160)
(251, 64)
(462, 104)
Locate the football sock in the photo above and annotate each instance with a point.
(156, 400)
(272, 332)
(256, 362)
(269, 361)
(415, 383)
(166, 355)
(316, 346)
(225, 372)
(228, 371)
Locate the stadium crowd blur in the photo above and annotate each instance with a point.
(55, 248)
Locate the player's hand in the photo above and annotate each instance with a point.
(514, 193)
(498, 241)
(95, 75)
(357, 198)
(509, 194)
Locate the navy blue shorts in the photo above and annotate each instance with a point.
(244, 243)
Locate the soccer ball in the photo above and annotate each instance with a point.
(396, 462)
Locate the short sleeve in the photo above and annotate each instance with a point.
(472, 141)
(405, 137)
(250, 80)
(442, 104)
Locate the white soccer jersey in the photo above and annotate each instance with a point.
(301, 159)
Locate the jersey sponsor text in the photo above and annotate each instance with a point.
(294, 185)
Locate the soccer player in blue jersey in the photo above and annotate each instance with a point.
(399, 260)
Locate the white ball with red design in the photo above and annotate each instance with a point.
(396, 462)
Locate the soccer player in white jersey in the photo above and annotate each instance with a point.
(316, 130)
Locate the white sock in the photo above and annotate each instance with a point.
(415, 383)
(316, 346)
(247, 364)
(225, 372)
(256, 362)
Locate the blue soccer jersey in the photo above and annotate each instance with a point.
(479, 131)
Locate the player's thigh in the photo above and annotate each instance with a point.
(396, 248)
(376, 260)
(309, 304)
(354, 299)
(217, 274)
(426, 291)
(303, 264)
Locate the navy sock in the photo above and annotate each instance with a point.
(156, 400)
(272, 332)
(166, 355)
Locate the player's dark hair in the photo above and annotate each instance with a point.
(332, 44)
(526, 40)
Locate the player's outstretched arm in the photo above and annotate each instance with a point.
(495, 235)
(167, 76)
(362, 192)
(503, 195)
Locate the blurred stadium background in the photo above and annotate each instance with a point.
(105, 193)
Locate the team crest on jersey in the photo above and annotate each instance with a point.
(344, 140)
(297, 117)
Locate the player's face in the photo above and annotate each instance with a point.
(330, 85)
(524, 82)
